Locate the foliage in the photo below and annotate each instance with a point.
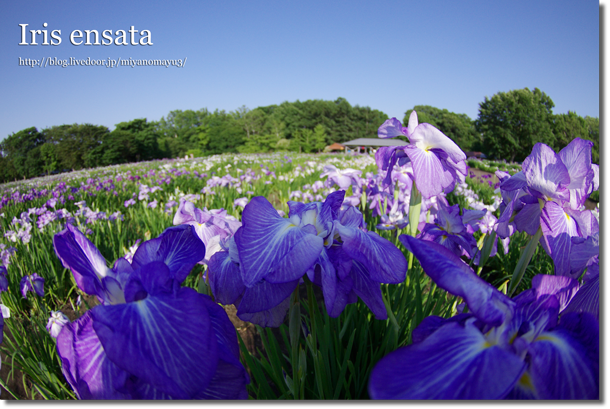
(513, 122)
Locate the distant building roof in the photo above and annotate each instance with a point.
(336, 146)
(376, 142)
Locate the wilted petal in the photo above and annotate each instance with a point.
(264, 295)
(528, 219)
(454, 362)
(368, 290)
(451, 274)
(178, 247)
(273, 317)
(583, 253)
(230, 379)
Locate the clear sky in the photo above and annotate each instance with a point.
(388, 55)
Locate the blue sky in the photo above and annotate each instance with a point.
(388, 55)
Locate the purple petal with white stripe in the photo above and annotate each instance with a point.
(454, 362)
(546, 174)
(383, 260)
(85, 364)
(178, 247)
(165, 341)
(78, 254)
(560, 368)
(269, 243)
(451, 274)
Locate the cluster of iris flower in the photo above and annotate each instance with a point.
(541, 344)
(528, 347)
(150, 338)
(264, 261)
(549, 194)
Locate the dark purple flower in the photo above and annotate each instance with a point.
(150, 338)
(503, 348)
(323, 240)
(33, 283)
(3, 279)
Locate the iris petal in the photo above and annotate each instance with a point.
(163, 340)
(454, 362)
(77, 253)
(560, 368)
(178, 247)
(383, 260)
(85, 364)
(224, 278)
(266, 239)
(451, 274)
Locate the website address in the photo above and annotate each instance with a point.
(94, 62)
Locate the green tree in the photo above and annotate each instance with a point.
(22, 153)
(48, 155)
(568, 126)
(75, 145)
(512, 122)
(593, 135)
(318, 138)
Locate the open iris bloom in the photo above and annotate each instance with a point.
(150, 338)
(548, 194)
(437, 161)
(520, 348)
(450, 231)
(211, 226)
(326, 241)
(34, 283)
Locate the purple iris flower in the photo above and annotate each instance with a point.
(150, 338)
(33, 283)
(449, 230)
(503, 348)
(325, 240)
(436, 160)
(208, 224)
(3, 279)
(547, 194)
(342, 178)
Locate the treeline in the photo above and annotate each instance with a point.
(508, 126)
(291, 126)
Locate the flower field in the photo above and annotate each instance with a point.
(403, 275)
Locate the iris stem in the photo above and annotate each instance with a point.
(524, 260)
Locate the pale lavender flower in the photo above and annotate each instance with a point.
(56, 322)
(242, 202)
